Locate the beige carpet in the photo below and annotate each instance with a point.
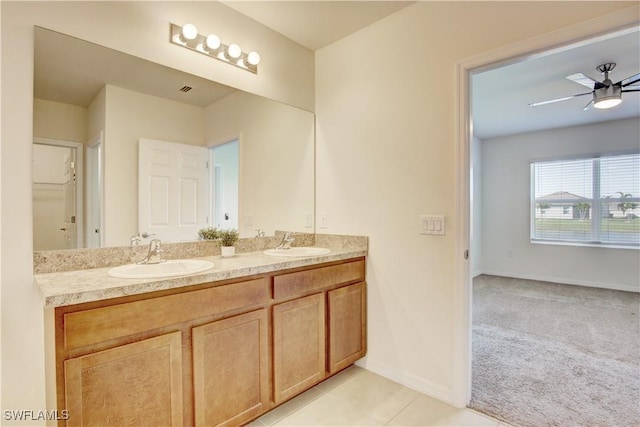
(546, 354)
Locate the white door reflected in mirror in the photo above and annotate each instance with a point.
(173, 199)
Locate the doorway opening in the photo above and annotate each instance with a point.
(225, 209)
(57, 194)
(530, 49)
(95, 190)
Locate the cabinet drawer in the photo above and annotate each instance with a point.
(101, 324)
(310, 281)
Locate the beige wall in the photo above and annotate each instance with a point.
(97, 115)
(137, 28)
(55, 120)
(505, 246)
(386, 138)
(276, 160)
(130, 116)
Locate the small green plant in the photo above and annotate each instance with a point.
(209, 233)
(229, 237)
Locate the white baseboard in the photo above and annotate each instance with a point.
(408, 380)
(612, 286)
(476, 273)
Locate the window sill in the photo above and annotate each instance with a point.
(583, 244)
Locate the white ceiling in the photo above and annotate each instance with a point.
(72, 71)
(500, 97)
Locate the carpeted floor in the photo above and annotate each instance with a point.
(546, 354)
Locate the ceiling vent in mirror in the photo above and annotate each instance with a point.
(188, 36)
(185, 88)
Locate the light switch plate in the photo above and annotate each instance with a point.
(432, 224)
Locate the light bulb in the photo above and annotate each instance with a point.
(189, 32)
(213, 42)
(234, 51)
(253, 58)
(607, 103)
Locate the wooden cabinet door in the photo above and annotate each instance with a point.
(231, 369)
(138, 384)
(298, 345)
(347, 326)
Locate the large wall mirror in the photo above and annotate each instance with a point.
(124, 146)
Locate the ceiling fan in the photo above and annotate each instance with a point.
(606, 94)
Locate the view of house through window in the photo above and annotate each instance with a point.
(590, 200)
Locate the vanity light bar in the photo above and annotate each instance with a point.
(188, 36)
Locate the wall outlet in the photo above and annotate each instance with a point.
(323, 220)
(308, 220)
(247, 220)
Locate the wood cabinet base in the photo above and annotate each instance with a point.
(220, 353)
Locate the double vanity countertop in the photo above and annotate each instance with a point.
(80, 286)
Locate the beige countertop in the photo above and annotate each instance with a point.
(79, 286)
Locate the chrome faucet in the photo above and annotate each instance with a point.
(286, 241)
(155, 253)
(137, 239)
(260, 232)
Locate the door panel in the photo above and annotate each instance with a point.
(173, 187)
(231, 369)
(143, 380)
(298, 345)
(347, 326)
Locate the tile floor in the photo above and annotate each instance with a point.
(357, 397)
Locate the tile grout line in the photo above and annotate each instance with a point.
(403, 408)
(294, 410)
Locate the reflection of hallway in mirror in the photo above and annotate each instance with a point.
(225, 160)
(54, 197)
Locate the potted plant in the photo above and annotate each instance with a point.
(209, 233)
(228, 240)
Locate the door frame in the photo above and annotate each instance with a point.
(95, 189)
(79, 168)
(237, 137)
(545, 44)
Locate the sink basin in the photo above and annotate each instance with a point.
(170, 268)
(299, 251)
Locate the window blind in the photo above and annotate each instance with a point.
(591, 200)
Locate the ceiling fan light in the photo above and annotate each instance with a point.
(608, 102)
(607, 97)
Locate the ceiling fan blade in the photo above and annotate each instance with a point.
(586, 107)
(629, 81)
(551, 101)
(631, 89)
(583, 80)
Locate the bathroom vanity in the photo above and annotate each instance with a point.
(220, 347)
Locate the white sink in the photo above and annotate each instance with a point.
(169, 268)
(299, 251)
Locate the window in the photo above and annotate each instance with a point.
(593, 201)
